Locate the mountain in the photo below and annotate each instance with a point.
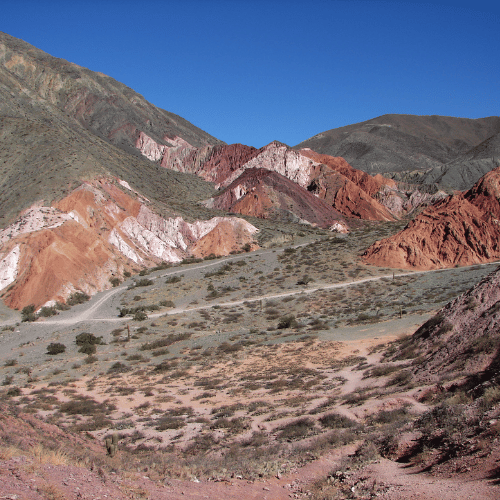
(397, 143)
(79, 204)
(468, 168)
(346, 190)
(461, 229)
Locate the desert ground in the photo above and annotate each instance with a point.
(259, 375)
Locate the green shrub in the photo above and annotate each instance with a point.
(140, 316)
(55, 348)
(87, 338)
(143, 282)
(288, 321)
(77, 298)
(114, 281)
(46, 312)
(28, 313)
(88, 349)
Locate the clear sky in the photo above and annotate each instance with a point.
(252, 71)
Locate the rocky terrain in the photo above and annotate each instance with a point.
(325, 391)
(458, 230)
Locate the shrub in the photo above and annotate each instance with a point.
(166, 303)
(28, 313)
(114, 281)
(335, 421)
(143, 282)
(87, 338)
(140, 316)
(288, 321)
(402, 378)
(46, 312)
(55, 348)
(77, 298)
(13, 392)
(297, 429)
(173, 279)
(87, 349)
(304, 280)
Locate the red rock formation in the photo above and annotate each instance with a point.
(225, 238)
(459, 230)
(224, 160)
(333, 180)
(262, 193)
(371, 185)
(96, 232)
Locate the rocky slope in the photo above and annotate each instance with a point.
(348, 191)
(95, 101)
(462, 229)
(266, 194)
(467, 169)
(395, 143)
(464, 336)
(99, 231)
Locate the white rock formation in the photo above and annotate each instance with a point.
(8, 267)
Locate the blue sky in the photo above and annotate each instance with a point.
(252, 71)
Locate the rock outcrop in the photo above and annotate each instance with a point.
(332, 180)
(463, 337)
(461, 229)
(266, 194)
(97, 232)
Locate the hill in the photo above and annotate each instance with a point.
(458, 230)
(397, 143)
(79, 204)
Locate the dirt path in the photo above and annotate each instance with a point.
(94, 306)
(408, 483)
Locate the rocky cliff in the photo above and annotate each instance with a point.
(461, 229)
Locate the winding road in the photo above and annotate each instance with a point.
(89, 313)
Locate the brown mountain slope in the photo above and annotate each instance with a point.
(459, 230)
(395, 143)
(106, 107)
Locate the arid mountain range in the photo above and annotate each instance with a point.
(282, 322)
(77, 145)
